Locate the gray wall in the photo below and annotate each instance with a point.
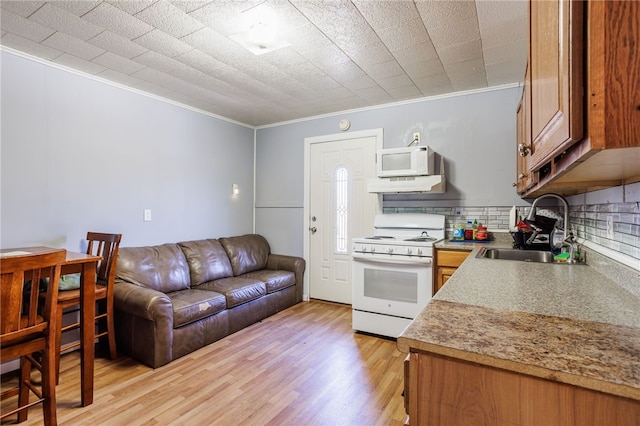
(474, 133)
(80, 155)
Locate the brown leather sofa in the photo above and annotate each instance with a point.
(172, 299)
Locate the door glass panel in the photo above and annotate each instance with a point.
(342, 180)
(397, 286)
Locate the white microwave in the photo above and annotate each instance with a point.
(409, 161)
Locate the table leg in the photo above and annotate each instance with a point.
(87, 338)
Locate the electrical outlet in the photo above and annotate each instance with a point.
(416, 137)
(610, 227)
(147, 215)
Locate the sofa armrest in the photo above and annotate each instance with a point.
(289, 263)
(144, 323)
(142, 301)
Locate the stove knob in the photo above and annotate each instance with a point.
(409, 252)
(390, 250)
(373, 249)
(419, 252)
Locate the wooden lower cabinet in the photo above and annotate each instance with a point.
(445, 264)
(448, 391)
(405, 392)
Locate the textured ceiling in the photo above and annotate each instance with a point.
(341, 54)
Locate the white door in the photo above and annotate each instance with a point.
(339, 208)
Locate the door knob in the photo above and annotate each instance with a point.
(313, 229)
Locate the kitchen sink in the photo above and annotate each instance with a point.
(538, 256)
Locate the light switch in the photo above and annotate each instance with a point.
(147, 215)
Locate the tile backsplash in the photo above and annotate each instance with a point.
(495, 218)
(588, 221)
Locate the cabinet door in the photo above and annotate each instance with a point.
(450, 391)
(524, 177)
(556, 77)
(443, 275)
(613, 73)
(445, 264)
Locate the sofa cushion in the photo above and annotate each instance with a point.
(273, 280)
(237, 290)
(162, 268)
(193, 305)
(207, 260)
(247, 253)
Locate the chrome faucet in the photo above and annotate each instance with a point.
(573, 247)
(567, 237)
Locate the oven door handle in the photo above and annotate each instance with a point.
(392, 259)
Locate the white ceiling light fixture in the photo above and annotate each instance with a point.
(261, 36)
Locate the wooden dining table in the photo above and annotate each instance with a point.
(86, 265)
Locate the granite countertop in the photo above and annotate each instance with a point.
(562, 322)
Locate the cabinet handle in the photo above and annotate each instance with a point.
(521, 176)
(523, 150)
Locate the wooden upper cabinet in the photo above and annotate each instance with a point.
(524, 178)
(584, 105)
(613, 70)
(556, 68)
(521, 164)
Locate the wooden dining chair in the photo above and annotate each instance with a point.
(106, 246)
(28, 327)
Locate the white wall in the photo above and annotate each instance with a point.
(79, 155)
(475, 133)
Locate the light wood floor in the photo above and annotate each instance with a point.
(302, 366)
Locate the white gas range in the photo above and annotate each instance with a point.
(392, 276)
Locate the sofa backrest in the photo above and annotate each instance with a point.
(247, 253)
(207, 260)
(162, 268)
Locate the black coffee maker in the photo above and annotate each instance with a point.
(540, 232)
(537, 234)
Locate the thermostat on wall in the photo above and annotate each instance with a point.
(344, 124)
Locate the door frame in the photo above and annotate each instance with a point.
(375, 133)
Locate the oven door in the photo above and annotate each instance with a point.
(386, 287)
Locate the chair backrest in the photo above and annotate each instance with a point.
(25, 315)
(105, 245)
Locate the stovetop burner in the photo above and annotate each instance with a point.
(401, 234)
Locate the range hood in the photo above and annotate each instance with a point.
(418, 184)
(409, 184)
